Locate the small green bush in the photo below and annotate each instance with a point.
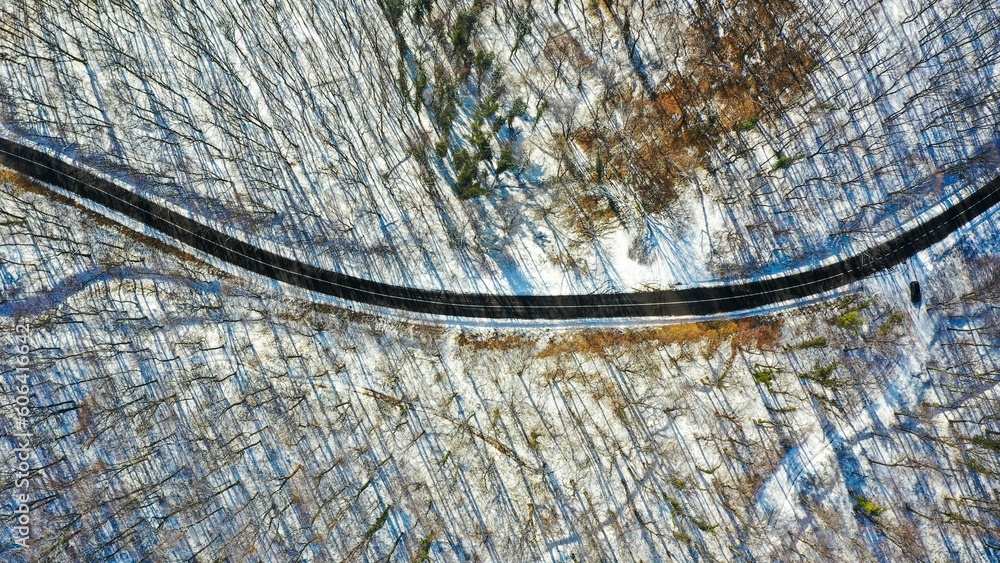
(895, 319)
(763, 375)
(749, 124)
(539, 112)
(517, 109)
(419, 85)
(818, 342)
(444, 103)
(535, 440)
(441, 148)
(507, 160)
(851, 302)
(393, 10)
(676, 505)
(482, 61)
(522, 25)
(822, 375)
(868, 507)
(975, 466)
(467, 182)
(784, 162)
(850, 320)
(985, 441)
(377, 525)
(481, 141)
(420, 9)
(704, 526)
(464, 31)
(424, 550)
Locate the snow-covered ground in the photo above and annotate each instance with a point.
(298, 125)
(181, 412)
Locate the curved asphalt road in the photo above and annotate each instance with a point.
(691, 301)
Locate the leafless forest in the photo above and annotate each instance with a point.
(181, 412)
(520, 146)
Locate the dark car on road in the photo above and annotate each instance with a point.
(915, 292)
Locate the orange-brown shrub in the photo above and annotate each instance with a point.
(742, 65)
(761, 333)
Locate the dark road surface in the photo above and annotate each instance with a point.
(691, 301)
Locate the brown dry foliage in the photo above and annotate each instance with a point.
(593, 216)
(744, 63)
(20, 182)
(761, 333)
(495, 342)
(566, 49)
